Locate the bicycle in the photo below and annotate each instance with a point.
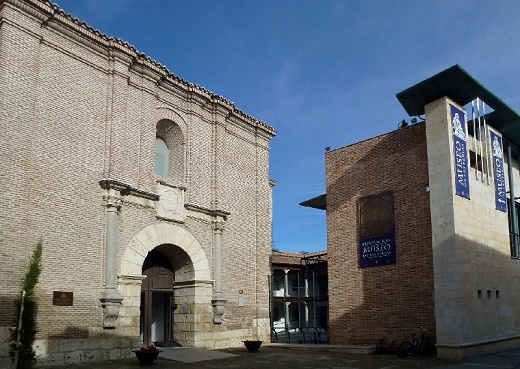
(421, 346)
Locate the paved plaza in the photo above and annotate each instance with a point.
(273, 357)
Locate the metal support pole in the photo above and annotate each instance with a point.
(481, 153)
(486, 142)
(474, 137)
(512, 206)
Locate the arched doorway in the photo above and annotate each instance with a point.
(157, 301)
(193, 286)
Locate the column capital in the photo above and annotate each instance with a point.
(218, 226)
(112, 199)
(112, 202)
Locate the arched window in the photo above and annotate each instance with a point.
(169, 150)
(162, 157)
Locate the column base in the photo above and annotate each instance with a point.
(111, 301)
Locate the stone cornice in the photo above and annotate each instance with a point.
(164, 183)
(127, 189)
(53, 17)
(213, 212)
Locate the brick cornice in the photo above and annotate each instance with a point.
(55, 18)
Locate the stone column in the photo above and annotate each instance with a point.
(218, 300)
(111, 299)
(287, 317)
(286, 282)
(306, 281)
(306, 309)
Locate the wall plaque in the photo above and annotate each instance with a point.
(241, 297)
(60, 298)
(171, 203)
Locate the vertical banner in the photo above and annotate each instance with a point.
(460, 152)
(376, 230)
(498, 172)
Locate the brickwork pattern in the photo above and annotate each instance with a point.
(78, 107)
(367, 304)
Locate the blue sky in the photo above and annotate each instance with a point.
(322, 73)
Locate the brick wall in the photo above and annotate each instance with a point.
(78, 107)
(393, 301)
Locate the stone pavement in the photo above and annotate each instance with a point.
(273, 357)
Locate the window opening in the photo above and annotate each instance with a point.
(478, 138)
(476, 162)
(513, 233)
(162, 155)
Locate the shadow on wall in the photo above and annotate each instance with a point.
(476, 300)
(392, 301)
(70, 332)
(8, 311)
(474, 296)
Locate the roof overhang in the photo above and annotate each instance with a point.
(319, 202)
(461, 87)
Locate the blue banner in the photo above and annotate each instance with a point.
(498, 172)
(379, 250)
(460, 152)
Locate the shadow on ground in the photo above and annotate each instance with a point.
(282, 358)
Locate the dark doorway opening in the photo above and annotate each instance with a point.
(157, 300)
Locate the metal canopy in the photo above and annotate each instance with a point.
(461, 87)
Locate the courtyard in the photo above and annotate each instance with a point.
(274, 356)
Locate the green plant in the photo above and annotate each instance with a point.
(23, 336)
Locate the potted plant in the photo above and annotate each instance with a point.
(252, 345)
(147, 354)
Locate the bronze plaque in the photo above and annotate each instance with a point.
(61, 298)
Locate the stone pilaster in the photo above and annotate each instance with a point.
(218, 301)
(111, 299)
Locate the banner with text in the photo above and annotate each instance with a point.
(376, 251)
(498, 172)
(460, 152)
(376, 230)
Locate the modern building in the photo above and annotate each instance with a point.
(422, 224)
(299, 300)
(147, 191)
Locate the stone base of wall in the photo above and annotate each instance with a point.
(5, 360)
(459, 352)
(235, 338)
(84, 350)
(59, 352)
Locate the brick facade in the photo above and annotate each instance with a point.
(392, 301)
(79, 107)
(456, 252)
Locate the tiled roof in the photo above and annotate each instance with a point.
(292, 258)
